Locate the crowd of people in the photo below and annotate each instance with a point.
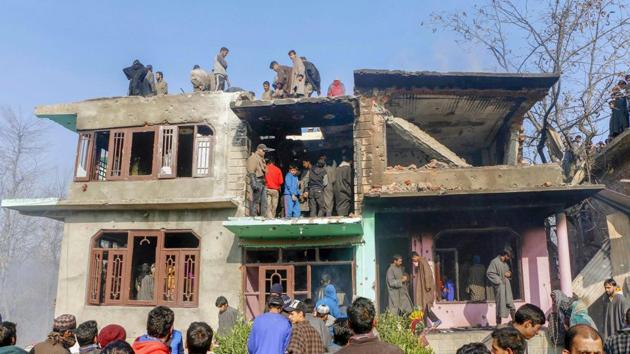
(317, 189)
(295, 326)
(301, 79)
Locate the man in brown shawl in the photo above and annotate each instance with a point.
(424, 288)
(399, 300)
(615, 307)
(298, 69)
(499, 275)
(283, 77)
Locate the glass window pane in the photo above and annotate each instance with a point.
(83, 158)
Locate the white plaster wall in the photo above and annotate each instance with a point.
(219, 269)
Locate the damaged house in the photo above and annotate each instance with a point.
(156, 213)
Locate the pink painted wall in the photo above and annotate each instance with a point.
(536, 282)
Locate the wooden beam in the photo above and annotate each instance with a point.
(425, 142)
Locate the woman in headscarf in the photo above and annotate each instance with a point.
(579, 315)
(559, 318)
(330, 300)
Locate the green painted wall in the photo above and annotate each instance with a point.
(366, 257)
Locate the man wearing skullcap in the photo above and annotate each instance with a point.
(111, 333)
(61, 339)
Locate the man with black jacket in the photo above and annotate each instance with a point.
(315, 189)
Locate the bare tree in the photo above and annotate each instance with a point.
(584, 41)
(26, 239)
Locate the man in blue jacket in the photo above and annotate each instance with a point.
(291, 193)
(271, 332)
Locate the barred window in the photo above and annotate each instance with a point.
(167, 151)
(144, 268)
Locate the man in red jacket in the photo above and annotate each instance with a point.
(273, 180)
(159, 330)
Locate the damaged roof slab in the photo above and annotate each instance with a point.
(291, 114)
(464, 111)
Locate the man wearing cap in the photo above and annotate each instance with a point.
(61, 339)
(111, 333)
(314, 319)
(256, 170)
(304, 338)
(271, 331)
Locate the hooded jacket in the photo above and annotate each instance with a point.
(330, 300)
(149, 345)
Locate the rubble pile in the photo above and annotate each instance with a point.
(407, 186)
(431, 165)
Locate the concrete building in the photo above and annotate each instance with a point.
(160, 180)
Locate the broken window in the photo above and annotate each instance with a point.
(160, 267)
(303, 272)
(83, 157)
(117, 144)
(101, 151)
(202, 157)
(462, 258)
(185, 144)
(167, 151)
(141, 156)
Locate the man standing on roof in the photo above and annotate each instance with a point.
(199, 79)
(336, 89)
(329, 188)
(256, 170)
(499, 276)
(283, 77)
(161, 86)
(220, 70)
(151, 79)
(313, 80)
(298, 69)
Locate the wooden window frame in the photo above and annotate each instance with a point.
(158, 149)
(127, 153)
(95, 270)
(212, 143)
(261, 294)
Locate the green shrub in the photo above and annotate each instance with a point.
(236, 341)
(396, 330)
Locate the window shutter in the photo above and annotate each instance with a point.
(189, 279)
(170, 273)
(116, 165)
(116, 279)
(167, 152)
(202, 154)
(84, 157)
(96, 269)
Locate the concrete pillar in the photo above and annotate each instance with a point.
(564, 258)
(366, 258)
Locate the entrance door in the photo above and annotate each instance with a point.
(269, 275)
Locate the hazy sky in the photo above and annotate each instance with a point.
(65, 51)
